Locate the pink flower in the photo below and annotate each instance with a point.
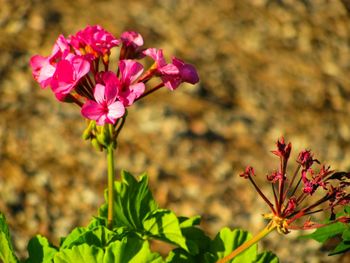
(128, 90)
(175, 73)
(131, 38)
(67, 75)
(105, 108)
(132, 42)
(44, 67)
(186, 73)
(161, 66)
(93, 40)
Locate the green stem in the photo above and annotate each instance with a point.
(268, 229)
(110, 169)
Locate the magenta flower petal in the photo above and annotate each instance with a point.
(68, 73)
(171, 81)
(134, 91)
(81, 67)
(169, 69)
(94, 39)
(131, 38)
(92, 110)
(42, 70)
(64, 71)
(105, 108)
(112, 85)
(157, 55)
(130, 70)
(60, 48)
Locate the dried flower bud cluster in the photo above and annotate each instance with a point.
(294, 197)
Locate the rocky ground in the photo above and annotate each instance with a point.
(268, 68)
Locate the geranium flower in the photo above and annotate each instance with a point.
(43, 68)
(161, 66)
(172, 74)
(129, 89)
(68, 73)
(105, 108)
(132, 42)
(131, 38)
(186, 73)
(93, 40)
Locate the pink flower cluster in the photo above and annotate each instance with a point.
(292, 197)
(77, 70)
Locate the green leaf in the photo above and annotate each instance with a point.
(133, 201)
(82, 253)
(98, 236)
(196, 240)
(73, 236)
(334, 229)
(164, 225)
(324, 233)
(188, 222)
(131, 250)
(6, 250)
(40, 250)
(178, 255)
(226, 241)
(344, 245)
(266, 257)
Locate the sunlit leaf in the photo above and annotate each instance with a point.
(40, 250)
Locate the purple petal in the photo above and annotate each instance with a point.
(189, 74)
(171, 82)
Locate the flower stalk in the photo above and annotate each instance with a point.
(263, 233)
(110, 171)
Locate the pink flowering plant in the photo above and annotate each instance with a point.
(78, 71)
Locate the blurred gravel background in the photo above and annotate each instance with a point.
(268, 68)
